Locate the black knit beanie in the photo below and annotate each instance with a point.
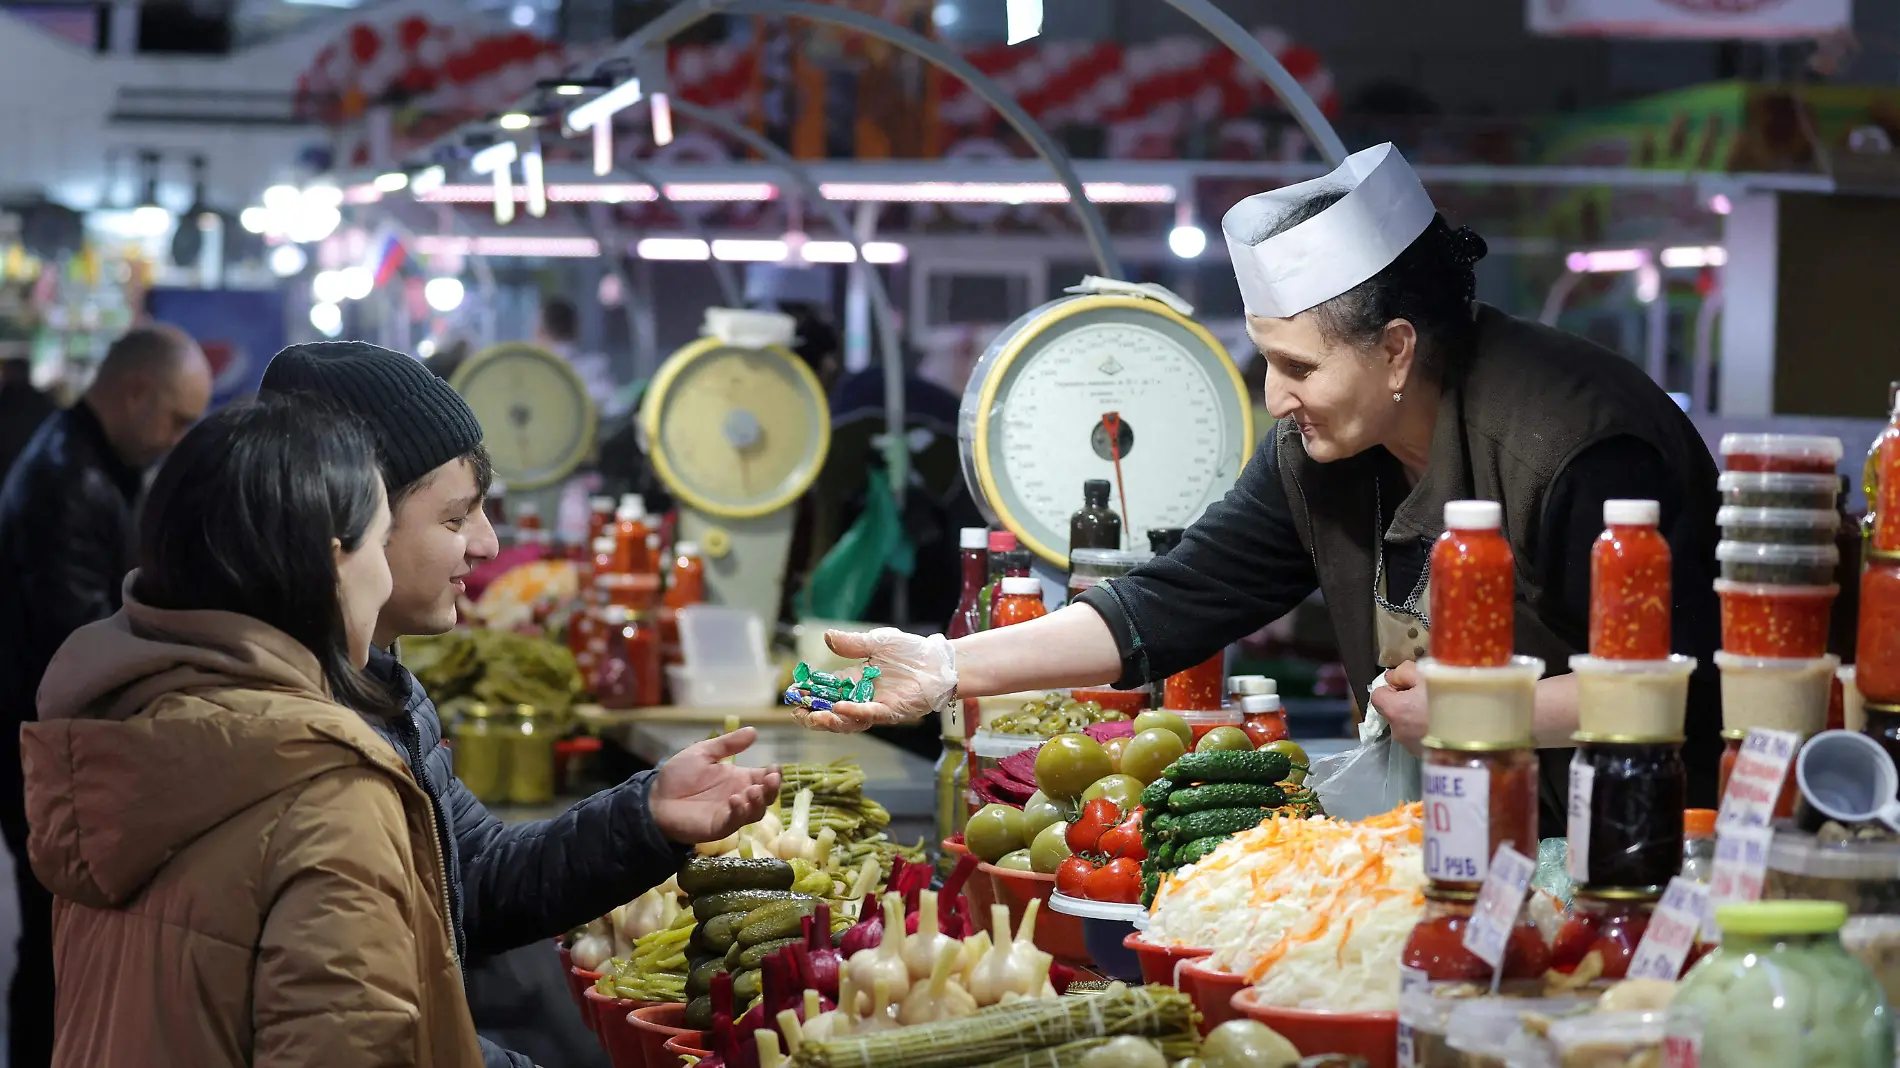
(419, 421)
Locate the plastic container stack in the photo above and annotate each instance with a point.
(1778, 561)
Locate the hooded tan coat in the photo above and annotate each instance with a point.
(245, 873)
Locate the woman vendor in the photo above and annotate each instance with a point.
(1393, 391)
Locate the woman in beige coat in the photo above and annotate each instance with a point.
(245, 873)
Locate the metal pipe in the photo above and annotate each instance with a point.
(1656, 333)
(1558, 296)
(722, 271)
(1702, 373)
(1285, 86)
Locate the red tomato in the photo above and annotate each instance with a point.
(1085, 834)
(1073, 876)
(1124, 839)
(1118, 880)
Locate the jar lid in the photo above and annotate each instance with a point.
(1698, 822)
(1107, 557)
(1252, 684)
(1002, 541)
(1767, 552)
(974, 538)
(1254, 704)
(1473, 515)
(1728, 661)
(1781, 918)
(1631, 513)
(1786, 518)
(1773, 589)
(1021, 586)
(686, 548)
(1776, 482)
(1805, 446)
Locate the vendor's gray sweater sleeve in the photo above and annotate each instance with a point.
(1239, 568)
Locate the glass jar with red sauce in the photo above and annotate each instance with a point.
(1462, 832)
(1731, 749)
(1021, 602)
(1436, 949)
(1785, 453)
(1607, 924)
(1882, 483)
(630, 675)
(1877, 652)
(1629, 584)
(1200, 688)
(1776, 621)
(1262, 718)
(1473, 587)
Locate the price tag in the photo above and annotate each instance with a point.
(1741, 862)
(1499, 902)
(1412, 981)
(1457, 823)
(1682, 1051)
(1753, 787)
(1583, 781)
(1671, 932)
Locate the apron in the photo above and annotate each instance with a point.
(1403, 631)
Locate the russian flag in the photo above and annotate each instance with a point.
(386, 256)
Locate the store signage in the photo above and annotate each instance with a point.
(1718, 19)
(1495, 915)
(1761, 767)
(1671, 931)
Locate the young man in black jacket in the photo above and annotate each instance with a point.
(511, 885)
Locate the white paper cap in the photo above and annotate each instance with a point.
(1384, 210)
(1631, 513)
(1473, 515)
(1014, 585)
(974, 538)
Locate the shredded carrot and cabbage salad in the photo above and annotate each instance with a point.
(1314, 912)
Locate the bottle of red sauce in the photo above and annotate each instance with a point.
(630, 674)
(600, 518)
(688, 587)
(975, 557)
(1629, 585)
(630, 537)
(1001, 542)
(1020, 603)
(1473, 588)
(1012, 564)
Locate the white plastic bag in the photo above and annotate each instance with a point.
(1376, 776)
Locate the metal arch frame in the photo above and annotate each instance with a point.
(722, 271)
(1305, 111)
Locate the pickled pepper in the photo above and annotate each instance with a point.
(1629, 584)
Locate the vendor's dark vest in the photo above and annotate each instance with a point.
(1530, 400)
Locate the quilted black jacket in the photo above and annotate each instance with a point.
(514, 884)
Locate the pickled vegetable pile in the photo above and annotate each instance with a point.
(1203, 798)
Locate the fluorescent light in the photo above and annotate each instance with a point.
(881, 252)
(327, 318)
(328, 287)
(515, 120)
(544, 247)
(662, 110)
(495, 156)
(672, 248)
(255, 219)
(321, 196)
(392, 182)
(358, 282)
(1719, 204)
(522, 15)
(995, 192)
(282, 198)
(1024, 19)
(726, 192)
(366, 192)
(1187, 241)
(286, 260)
(309, 223)
(603, 149)
(427, 181)
(1605, 261)
(569, 90)
(1694, 256)
(443, 294)
(587, 116)
(495, 161)
(739, 250)
(532, 177)
(1648, 283)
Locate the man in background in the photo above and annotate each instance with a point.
(22, 410)
(66, 536)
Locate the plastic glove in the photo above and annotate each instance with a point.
(919, 675)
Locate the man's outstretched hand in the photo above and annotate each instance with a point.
(695, 798)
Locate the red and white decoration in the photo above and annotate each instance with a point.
(1719, 19)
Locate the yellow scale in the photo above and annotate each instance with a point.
(1031, 428)
(536, 417)
(737, 434)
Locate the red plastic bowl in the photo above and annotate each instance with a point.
(1213, 993)
(616, 1035)
(1372, 1035)
(976, 890)
(1159, 962)
(687, 1045)
(579, 982)
(574, 984)
(1056, 934)
(656, 1024)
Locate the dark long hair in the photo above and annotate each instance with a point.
(1431, 285)
(241, 516)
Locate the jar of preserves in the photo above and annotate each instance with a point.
(530, 759)
(1199, 688)
(1755, 489)
(1435, 952)
(1877, 649)
(630, 673)
(1262, 718)
(1600, 935)
(1775, 620)
(1626, 805)
(480, 753)
(1021, 602)
(1881, 477)
(1474, 801)
(1779, 990)
(1776, 564)
(1629, 584)
(1473, 587)
(1784, 695)
(1089, 568)
(1782, 453)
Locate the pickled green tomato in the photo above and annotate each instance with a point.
(1115, 747)
(1068, 764)
(1151, 750)
(1171, 720)
(1040, 812)
(1124, 790)
(994, 830)
(1227, 738)
(1016, 860)
(1247, 1044)
(1050, 848)
(1127, 1051)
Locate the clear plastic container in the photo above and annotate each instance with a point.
(1780, 990)
(1859, 874)
(1786, 694)
(1200, 721)
(1758, 489)
(1088, 567)
(1787, 453)
(1784, 526)
(1606, 1040)
(1787, 565)
(1778, 621)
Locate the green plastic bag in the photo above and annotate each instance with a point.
(843, 582)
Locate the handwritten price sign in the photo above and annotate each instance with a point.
(1495, 916)
(1671, 932)
(1741, 863)
(1753, 787)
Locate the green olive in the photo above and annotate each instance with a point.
(1068, 764)
(1232, 738)
(1170, 720)
(1050, 848)
(994, 830)
(1149, 751)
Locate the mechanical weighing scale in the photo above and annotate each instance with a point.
(537, 419)
(1037, 416)
(737, 431)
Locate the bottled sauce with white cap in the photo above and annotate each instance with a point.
(1473, 588)
(630, 537)
(1021, 601)
(1629, 584)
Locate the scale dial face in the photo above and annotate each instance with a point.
(1035, 432)
(736, 432)
(537, 420)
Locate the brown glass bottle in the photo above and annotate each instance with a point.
(1095, 525)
